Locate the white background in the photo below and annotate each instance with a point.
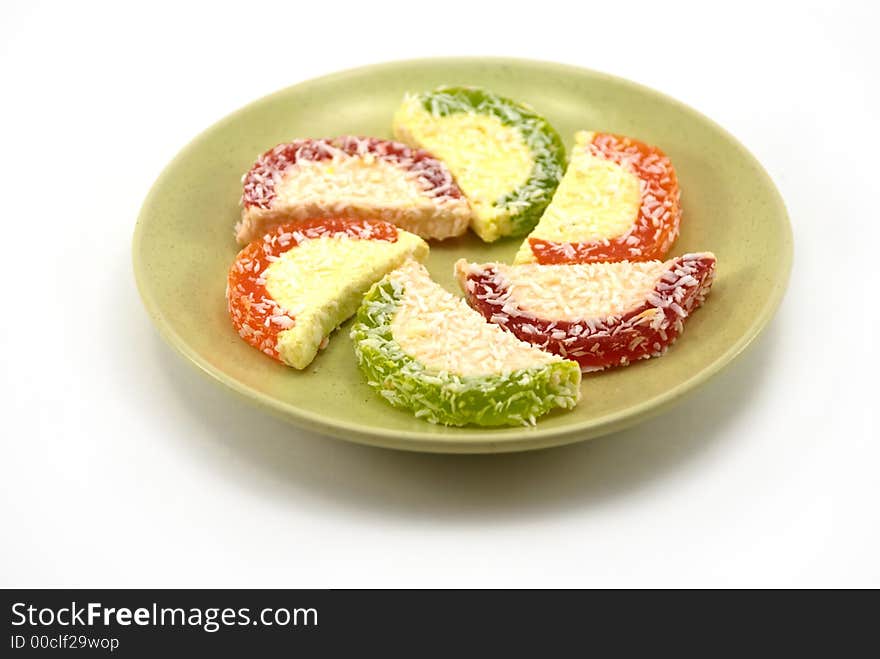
(121, 465)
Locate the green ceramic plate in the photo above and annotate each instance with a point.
(183, 245)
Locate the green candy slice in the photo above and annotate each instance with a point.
(425, 350)
(506, 158)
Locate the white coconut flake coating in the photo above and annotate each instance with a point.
(442, 332)
(577, 291)
(354, 177)
(350, 181)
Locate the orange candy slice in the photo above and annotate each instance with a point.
(619, 200)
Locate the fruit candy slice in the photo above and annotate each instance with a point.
(289, 290)
(619, 200)
(598, 314)
(425, 350)
(353, 177)
(507, 159)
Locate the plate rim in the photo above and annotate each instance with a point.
(470, 440)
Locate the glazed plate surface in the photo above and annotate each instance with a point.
(183, 245)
